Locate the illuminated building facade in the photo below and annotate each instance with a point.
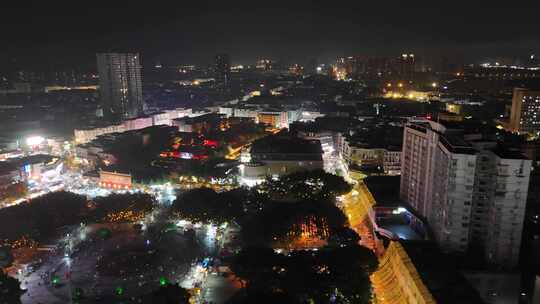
(397, 281)
(198, 124)
(358, 207)
(83, 136)
(418, 273)
(525, 114)
(39, 167)
(114, 180)
(277, 120)
(120, 85)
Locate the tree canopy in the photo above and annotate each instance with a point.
(332, 274)
(205, 205)
(41, 216)
(10, 289)
(305, 185)
(281, 221)
(136, 202)
(168, 294)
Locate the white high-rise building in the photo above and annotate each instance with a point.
(525, 113)
(120, 85)
(470, 194)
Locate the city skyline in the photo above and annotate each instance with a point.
(283, 152)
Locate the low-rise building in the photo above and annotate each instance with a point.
(138, 123)
(9, 174)
(86, 135)
(198, 124)
(114, 180)
(277, 119)
(382, 152)
(273, 156)
(326, 138)
(246, 112)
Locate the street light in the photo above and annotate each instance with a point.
(163, 281)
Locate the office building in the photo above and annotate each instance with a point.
(472, 194)
(525, 113)
(120, 85)
(223, 71)
(406, 65)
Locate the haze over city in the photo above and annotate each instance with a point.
(282, 152)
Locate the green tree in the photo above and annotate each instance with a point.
(205, 205)
(332, 274)
(343, 236)
(43, 216)
(120, 202)
(6, 257)
(306, 185)
(169, 294)
(261, 297)
(10, 290)
(281, 220)
(258, 267)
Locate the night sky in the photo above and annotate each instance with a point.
(193, 31)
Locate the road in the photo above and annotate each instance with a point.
(134, 262)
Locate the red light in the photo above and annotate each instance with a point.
(210, 143)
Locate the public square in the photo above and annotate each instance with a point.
(120, 263)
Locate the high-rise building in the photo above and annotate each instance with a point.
(472, 195)
(533, 61)
(222, 71)
(525, 114)
(120, 85)
(406, 65)
(264, 64)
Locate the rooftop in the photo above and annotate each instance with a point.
(200, 118)
(456, 144)
(378, 137)
(286, 145)
(508, 153)
(452, 141)
(385, 189)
